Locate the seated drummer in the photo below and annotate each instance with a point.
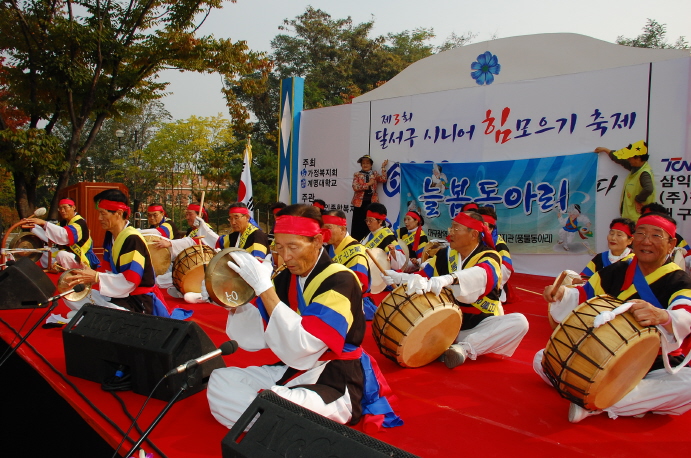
(130, 284)
(177, 246)
(661, 296)
(414, 236)
(244, 234)
(344, 249)
(682, 244)
(472, 268)
(619, 240)
(158, 219)
(71, 237)
(381, 236)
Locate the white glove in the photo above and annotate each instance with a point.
(199, 222)
(436, 284)
(256, 274)
(391, 277)
(417, 284)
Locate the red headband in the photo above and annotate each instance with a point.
(241, 210)
(318, 205)
(300, 225)
(155, 208)
(469, 222)
(276, 210)
(470, 206)
(335, 220)
(66, 202)
(371, 214)
(414, 215)
(622, 227)
(195, 208)
(489, 220)
(112, 205)
(662, 223)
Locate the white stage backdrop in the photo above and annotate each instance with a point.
(563, 115)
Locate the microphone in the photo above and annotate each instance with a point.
(77, 289)
(225, 349)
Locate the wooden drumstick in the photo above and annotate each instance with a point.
(201, 204)
(280, 269)
(557, 283)
(374, 260)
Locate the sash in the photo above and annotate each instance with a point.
(245, 235)
(376, 238)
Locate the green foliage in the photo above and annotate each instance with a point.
(653, 36)
(82, 65)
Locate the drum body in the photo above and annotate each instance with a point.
(377, 284)
(596, 367)
(224, 285)
(415, 330)
(62, 287)
(188, 268)
(160, 257)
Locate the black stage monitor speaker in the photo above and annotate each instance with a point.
(283, 428)
(24, 285)
(99, 340)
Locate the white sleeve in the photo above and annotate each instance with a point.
(210, 237)
(177, 245)
(40, 233)
(471, 284)
(681, 326)
(505, 274)
(245, 325)
(290, 342)
(114, 285)
(57, 234)
(560, 309)
(398, 260)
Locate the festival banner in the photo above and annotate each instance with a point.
(544, 205)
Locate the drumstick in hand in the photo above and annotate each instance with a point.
(557, 283)
(374, 260)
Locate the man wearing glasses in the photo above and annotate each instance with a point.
(661, 295)
(472, 269)
(158, 219)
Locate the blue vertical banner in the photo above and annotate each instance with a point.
(292, 92)
(543, 205)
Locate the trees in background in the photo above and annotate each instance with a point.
(80, 64)
(654, 36)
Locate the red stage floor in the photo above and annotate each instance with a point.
(488, 407)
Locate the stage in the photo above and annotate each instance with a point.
(487, 407)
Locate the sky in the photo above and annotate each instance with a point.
(257, 23)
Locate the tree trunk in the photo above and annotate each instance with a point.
(63, 179)
(24, 194)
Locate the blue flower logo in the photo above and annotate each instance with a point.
(486, 67)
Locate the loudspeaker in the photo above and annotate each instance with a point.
(24, 282)
(283, 428)
(99, 340)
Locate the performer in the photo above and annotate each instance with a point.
(619, 240)
(573, 222)
(311, 318)
(472, 269)
(381, 236)
(639, 187)
(661, 293)
(413, 236)
(130, 284)
(489, 216)
(682, 245)
(365, 187)
(159, 220)
(344, 249)
(191, 215)
(244, 235)
(71, 237)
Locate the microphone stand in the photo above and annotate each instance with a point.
(185, 385)
(40, 320)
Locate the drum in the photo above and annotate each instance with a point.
(415, 330)
(62, 287)
(377, 284)
(188, 268)
(596, 367)
(431, 249)
(224, 285)
(160, 257)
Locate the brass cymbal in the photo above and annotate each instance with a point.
(224, 285)
(62, 287)
(27, 240)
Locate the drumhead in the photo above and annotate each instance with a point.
(188, 268)
(224, 285)
(596, 367)
(160, 257)
(415, 330)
